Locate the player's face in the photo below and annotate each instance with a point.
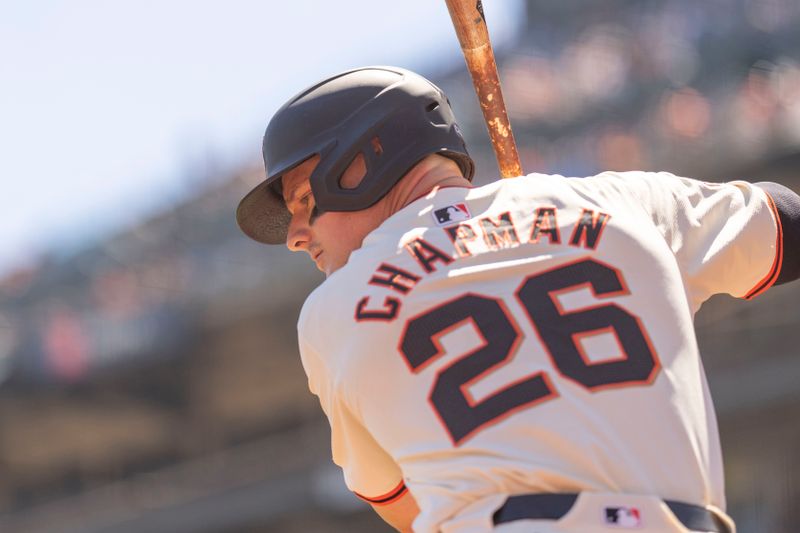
(328, 238)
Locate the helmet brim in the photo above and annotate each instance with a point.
(262, 215)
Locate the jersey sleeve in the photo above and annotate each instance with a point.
(726, 237)
(787, 203)
(368, 470)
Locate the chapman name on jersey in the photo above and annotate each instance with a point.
(544, 344)
(495, 234)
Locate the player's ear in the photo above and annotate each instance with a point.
(357, 169)
(354, 173)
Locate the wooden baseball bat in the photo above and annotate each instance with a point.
(470, 25)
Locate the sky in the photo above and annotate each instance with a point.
(107, 106)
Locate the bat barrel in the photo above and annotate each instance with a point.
(470, 24)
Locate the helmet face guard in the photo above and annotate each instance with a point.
(391, 116)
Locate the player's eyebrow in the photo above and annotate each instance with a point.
(292, 193)
(297, 193)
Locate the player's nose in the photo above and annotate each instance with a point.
(298, 236)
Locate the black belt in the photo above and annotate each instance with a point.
(554, 506)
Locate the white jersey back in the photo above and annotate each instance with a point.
(534, 335)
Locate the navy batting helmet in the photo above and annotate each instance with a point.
(392, 116)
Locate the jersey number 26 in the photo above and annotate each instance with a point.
(559, 331)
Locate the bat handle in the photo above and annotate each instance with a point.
(470, 24)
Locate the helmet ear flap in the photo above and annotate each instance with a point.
(375, 154)
(360, 165)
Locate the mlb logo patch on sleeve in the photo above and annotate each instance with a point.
(623, 517)
(450, 214)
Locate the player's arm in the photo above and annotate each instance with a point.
(787, 206)
(369, 471)
(400, 513)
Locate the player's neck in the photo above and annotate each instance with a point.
(433, 172)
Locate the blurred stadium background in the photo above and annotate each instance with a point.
(150, 380)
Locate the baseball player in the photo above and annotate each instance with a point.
(513, 357)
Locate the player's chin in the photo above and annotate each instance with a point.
(322, 265)
(329, 267)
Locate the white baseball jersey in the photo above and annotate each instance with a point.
(534, 335)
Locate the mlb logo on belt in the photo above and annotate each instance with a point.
(450, 214)
(623, 517)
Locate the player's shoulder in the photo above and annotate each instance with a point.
(610, 184)
(626, 178)
(326, 295)
(607, 176)
(638, 185)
